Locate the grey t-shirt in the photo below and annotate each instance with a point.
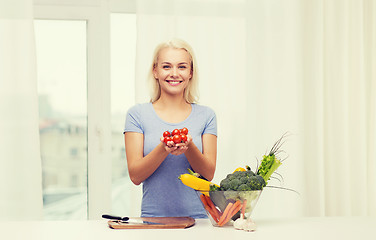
(164, 195)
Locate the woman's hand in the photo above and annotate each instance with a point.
(177, 148)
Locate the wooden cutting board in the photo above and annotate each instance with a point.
(168, 223)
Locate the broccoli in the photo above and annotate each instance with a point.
(213, 187)
(242, 181)
(244, 187)
(234, 184)
(256, 182)
(224, 185)
(250, 173)
(239, 174)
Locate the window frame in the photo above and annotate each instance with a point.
(97, 16)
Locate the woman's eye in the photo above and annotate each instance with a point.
(165, 67)
(182, 67)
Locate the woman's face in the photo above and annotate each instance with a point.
(173, 70)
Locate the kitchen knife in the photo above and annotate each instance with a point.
(129, 220)
(112, 217)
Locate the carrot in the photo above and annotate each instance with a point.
(215, 210)
(237, 206)
(244, 206)
(224, 215)
(232, 210)
(203, 199)
(208, 208)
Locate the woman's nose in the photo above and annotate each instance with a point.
(174, 72)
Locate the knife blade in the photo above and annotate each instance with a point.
(140, 221)
(129, 220)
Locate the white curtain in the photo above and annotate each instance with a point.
(339, 107)
(20, 164)
(270, 67)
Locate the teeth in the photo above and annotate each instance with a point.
(174, 82)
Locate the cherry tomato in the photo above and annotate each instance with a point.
(166, 134)
(176, 138)
(167, 139)
(183, 137)
(184, 131)
(175, 132)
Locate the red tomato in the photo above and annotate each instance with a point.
(167, 134)
(167, 139)
(184, 131)
(176, 138)
(183, 137)
(175, 132)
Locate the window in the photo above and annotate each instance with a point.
(123, 54)
(82, 108)
(62, 88)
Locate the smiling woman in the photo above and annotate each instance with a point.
(184, 65)
(172, 70)
(158, 164)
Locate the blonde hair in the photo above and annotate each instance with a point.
(191, 91)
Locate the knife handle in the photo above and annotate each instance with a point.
(107, 216)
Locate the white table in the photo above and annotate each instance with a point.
(355, 228)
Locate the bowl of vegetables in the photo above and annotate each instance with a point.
(233, 200)
(227, 207)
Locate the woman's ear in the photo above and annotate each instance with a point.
(155, 72)
(191, 75)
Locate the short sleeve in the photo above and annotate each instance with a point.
(133, 120)
(211, 124)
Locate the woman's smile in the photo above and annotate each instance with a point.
(173, 71)
(174, 82)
